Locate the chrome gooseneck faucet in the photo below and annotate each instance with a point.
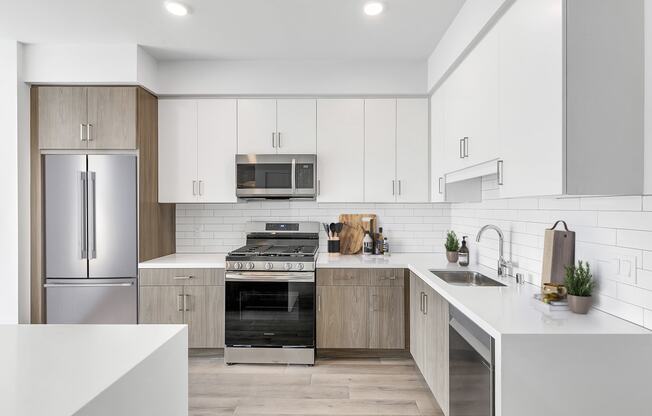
(503, 265)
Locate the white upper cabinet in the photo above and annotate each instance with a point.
(177, 151)
(471, 130)
(197, 146)
(257, 126)
(284, 126)
(396, 150)
(412, 160)
(437, 130)
(380, 183)
(296, 126)
(216, 149)
(531, 98)
(551, 101)
(340, 150)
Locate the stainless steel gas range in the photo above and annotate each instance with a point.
(270, 295)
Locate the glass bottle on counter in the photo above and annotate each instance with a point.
(378, 244)
(464, 253)
(367, 244)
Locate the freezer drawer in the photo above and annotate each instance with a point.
(91, 301)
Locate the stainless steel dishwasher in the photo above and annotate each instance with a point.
(471, 368)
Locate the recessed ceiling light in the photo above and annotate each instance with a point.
(373, 8)
(176, 8)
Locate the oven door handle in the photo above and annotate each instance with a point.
(270, 277)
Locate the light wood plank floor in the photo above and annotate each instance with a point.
(334, 386)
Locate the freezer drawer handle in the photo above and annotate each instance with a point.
(126, 284)
(93, 224)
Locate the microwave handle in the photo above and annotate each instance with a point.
(294, 175)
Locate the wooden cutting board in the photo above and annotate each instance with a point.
(353, 232)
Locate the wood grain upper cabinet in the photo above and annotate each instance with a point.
(197, 146)
(177, 151)
(380, 183)
(341, 317)
(412, 159)
(257, 126)
(62, 114)
(340, 150)
(296, 126)
(87, 118)
(111, 117)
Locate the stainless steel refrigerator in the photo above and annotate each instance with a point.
(91, 239)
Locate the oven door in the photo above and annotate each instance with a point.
(270, 309)
(276, 176)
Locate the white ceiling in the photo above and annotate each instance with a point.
(237, 29)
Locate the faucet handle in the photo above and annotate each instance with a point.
(506, 267)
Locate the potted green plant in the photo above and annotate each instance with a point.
(452, 246)
(579, 284)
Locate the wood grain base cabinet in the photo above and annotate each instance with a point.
(429, 338)
(194, 297)
(360, 308)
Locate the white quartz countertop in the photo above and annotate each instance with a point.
(500, 311)
(187, 261)
(57, 369)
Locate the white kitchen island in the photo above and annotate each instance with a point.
(93, 370)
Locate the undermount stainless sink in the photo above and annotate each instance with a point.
(465, 278)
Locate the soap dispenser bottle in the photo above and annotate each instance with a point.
(464, 253)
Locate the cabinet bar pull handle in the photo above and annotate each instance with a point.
(194, 188)
(182, 277)
(421, 302)
(88, 132)
(318, 303)
(466, 147)
(461, 151)
(274, 140)
(179, 301)
(185, 303)
(399, 187)
(278, 139)
(201, 187)
(499, 171)
(81, 132)
(440, 187)
(425, 304)
(393, 187)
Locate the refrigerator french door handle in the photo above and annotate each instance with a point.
(92, 226)
(84, 215)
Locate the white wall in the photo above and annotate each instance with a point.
(24, 202)
(648, 98)
(9, 220)
(291, 77)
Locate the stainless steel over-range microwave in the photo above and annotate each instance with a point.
(276, 176)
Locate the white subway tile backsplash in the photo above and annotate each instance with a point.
(220, 227)
(609, 230)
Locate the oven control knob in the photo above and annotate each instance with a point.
(287, 266)
(237, 265)
(250, 265)
(269, 266)
(300, 266)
